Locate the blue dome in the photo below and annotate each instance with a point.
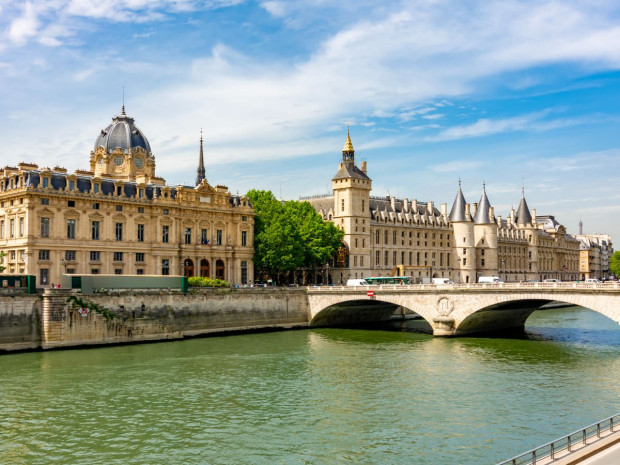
(122, 134)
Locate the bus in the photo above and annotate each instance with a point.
(378, 280)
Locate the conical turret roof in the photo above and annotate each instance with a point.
(457, 213)
(524, 216)
(482, 213)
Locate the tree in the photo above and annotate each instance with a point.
(290, 235)
(614, 264)
(2, 255)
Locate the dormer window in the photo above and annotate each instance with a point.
(46, 182)
(141, 193)
(71, 185)
(96, 188)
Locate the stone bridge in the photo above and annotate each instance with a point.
(454, 310)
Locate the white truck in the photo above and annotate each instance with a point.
(442, 281)
(489, 280)
(357, 282)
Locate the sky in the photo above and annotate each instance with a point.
(514, 95)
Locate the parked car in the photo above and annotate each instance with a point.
(552, 280)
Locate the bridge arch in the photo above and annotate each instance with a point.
(509, 311)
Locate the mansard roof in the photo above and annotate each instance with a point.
(383, 205)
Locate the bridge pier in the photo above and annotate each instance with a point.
(444, 326)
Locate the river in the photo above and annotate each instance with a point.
(322, 396)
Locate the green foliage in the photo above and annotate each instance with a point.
(197, 281)
(2, 255)
(614, 264)
(290, 235)
(76, 303)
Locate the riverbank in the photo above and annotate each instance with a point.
(62, 318)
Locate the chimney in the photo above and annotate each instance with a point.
(393, 203)
(533, 216)
(444, 209)
(405, 204)
(414, 206)
(474, 207)
(499, 220)
(491, 212)
(364, 167)
(429, 207)
(467, 212)
(580, 228)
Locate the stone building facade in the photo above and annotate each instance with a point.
(118, 217)
(594, 255)
(386, 236)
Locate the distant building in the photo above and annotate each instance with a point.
(594, 254)
(118, 217)
(385, 235)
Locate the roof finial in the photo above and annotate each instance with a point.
(459, 182)
(348, 145)
(484, 186)
(200, 172)
(123, 109)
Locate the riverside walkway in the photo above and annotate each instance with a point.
(457, 309)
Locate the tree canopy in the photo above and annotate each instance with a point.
(614, 264)
(290, 235)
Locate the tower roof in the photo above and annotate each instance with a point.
(122, 134)
(482, 215)
(200, 172)
(457, 213)
(523, 212)
(348, 145)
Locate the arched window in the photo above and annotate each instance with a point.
(188, 267)
(219, 269)
(204, 268)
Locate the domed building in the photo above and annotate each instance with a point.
(118, 217)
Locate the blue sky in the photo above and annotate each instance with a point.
(509, 93)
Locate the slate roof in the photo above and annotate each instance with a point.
(457, 213)
(482, 215)
(349, 170)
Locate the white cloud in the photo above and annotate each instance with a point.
(456, 166)
(25, 26)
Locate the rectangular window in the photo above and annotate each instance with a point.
(45, 227)
(482, 262)
(46, 182)
(203, 237)
(355, 260)
(165, 233)
(165, 211)
(188, 235)
(140, 233)
(96, 206)
(2, 229)
(118, 256)
(244, 238)
(165, 267)
(43, 276)
(119, 192)
(244, 218)
(219, 237)
(12, 229)
(363, 204)
(342, 204)
(71, 185)
(141, 193)
(118, 231)
(94, 230)
(140, 271)
(139, 256)
(244, 272)
(140, 209)
(119, 208)
(95, 256)
(386, 258)
(118, 271)
(377, 236)
(70, 229)
(44, 254)
(94, 271)
(394, 258)
(71, 203)
(377, 259)
(96, 188)
(70, 255)
(45, 201)
(361, 260)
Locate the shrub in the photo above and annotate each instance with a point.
(197, 281)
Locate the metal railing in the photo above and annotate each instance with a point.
(567, 444)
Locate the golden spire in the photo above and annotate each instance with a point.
(348, 145)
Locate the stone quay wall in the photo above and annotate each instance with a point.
(20, 321)
(128, 316)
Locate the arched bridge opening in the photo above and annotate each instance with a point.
(362, 311)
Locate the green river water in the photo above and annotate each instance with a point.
(323, 396)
